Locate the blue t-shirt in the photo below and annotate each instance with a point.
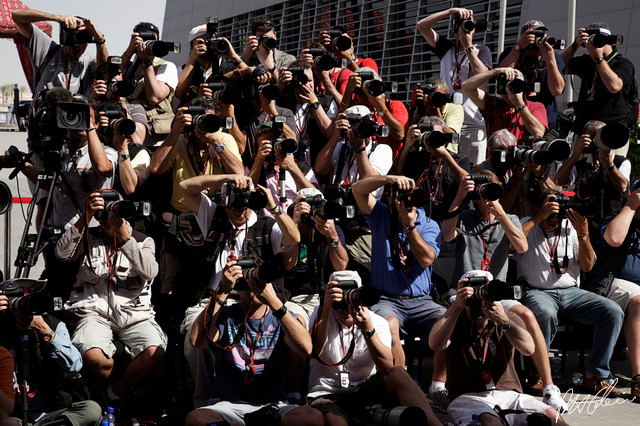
(630, 269)
(270, 359)
(386, 277)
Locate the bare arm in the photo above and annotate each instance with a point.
(514, 234)
(155, 90)
(98, 157)
(617, 230)
(25, 17)
(425, 25)
(362, 190)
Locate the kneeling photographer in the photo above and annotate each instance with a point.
(235, 231)
(112, 291)
(482, 379)
(343, 385)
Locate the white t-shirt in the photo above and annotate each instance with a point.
(381, 160)
(166, 73)
(324, 379)
(534, 266)
(624, 169)
(205, 215)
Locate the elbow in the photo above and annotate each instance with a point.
(616, 86)
(586, 267)
(105, 168)
(436, 345)
(522, 246)
(528, 348)
(183, 187)
(156, 168)
(612, 240)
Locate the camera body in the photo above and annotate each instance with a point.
(235, 198)
(157, 48)
(25, 296)
(209, 123)
(338, 41)
(215, 46)
(298, 78)
(541, 37)
(269, 43)
(357, 296)
(339, 203)
(484, 188)
(264, 272)
(469, 25)
(75, 38)
(585, 208)
(436, 138)
(492, 291)
(125, 209)
(411, 198)
(600, 39)
(517, 85)
(365, 127)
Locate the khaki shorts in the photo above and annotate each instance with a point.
(622, 291)
(97, 332)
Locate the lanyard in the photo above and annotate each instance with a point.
(553, 252)
(250, 370)
(231, 241)
(342, 346)
(110, 265)
(486, 262)
(595, 76)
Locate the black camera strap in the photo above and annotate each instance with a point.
(316, 355)
(208, 318)
(399, 259)
(52, 52)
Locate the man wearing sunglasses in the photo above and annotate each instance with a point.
(559, 247)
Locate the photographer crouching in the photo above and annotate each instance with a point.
(112, 292)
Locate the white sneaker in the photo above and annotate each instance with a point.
(553, 397)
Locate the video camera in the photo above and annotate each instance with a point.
(365, 127)
(585, 208)
(484, 188)
(235, 198)
(25, 296)
(209, 123)
(516, 85)
(411, 198)
(542, 38)
(357, 296)
(492, 291)
(157, 48)
(118, 121)
(269, 43)
(75, 37)
(601, 39)
(215, 46)
(339, 41)
(125, 209)
(435, 138)
(610, 136)
(469, 25)
(375, 87)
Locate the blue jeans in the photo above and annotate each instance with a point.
(583, 307)
(421, 313)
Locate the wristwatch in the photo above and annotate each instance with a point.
(600, 59)
(219, 148)
(48, 337)
(335, 243)
(368, 334)
(360, 149)
(408, 229)
(506, 325)
(585, 237)
(147, 64)
(610, 167)
(517, 48)
(124, 157)
(280, 313)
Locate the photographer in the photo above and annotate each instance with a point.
(353, 62)
(479, 381)
(372, 378)
(250, 371)
(411, 241)
(607, 80)
(271, 163)
(237, 232)
(512, 111)
(112, 294)
(383, 111)
(54, 65)
(615, 275)
(422, 105)
(559, 248)
(538, 61)
(460, 59)
(256, 50)
(154, 82)
(330, 84)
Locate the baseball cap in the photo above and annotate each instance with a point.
(199, 31)
(477, 273)
(532, 25)
(310, 192)
(602, 26)
(376, 76)
(346, 275)
(360, 110)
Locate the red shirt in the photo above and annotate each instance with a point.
(400, 113)
(498, 115)
(343, 74)
(367, 62)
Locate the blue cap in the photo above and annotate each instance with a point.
(474, 417)
(110, 410)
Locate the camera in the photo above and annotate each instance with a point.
(25, 296)
(118, 121)
(492, 291)
(542, 38)
(269, 91)
(75, 38)
(357, 296)
(325, 61)
(285, 146)
(339, 203)
(517, 85)
(209, 123)
(339, 41)
(439, 99)
(121, 88)
(484, 188)
(125, 209)
(299, 78)
(559, 148)
(601, 39)
(397, 416)
(269, 43)
(469, 25)
(377, 87)
(225, 94)
(436, 138)
(264, 272)
(214, 45)
(411, 198)
(610, 136)
(586, 209)
(235, 198)
(365, 128)
(158, 48)
(521, 154)
(316, 202)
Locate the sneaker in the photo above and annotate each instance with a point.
(635, 388)
(600, 386)
(536, 387)
(440, 399)
(553, 397)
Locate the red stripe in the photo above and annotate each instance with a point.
(21, 200)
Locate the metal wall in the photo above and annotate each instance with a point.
(384, 30)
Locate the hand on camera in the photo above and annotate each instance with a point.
(271, 204)
(633, 202)
(526, 39)
(417, 96)
(413, 135)
(406, 217)
(583, 143)
(494, 312)
(96, 202)
(99, 88)
(404, 183)
(361, 317)
(594, 52)
(549, 207)
(326, 227)
(32, 322)
(4, 302)
(300, 208)
(240, 181)
(463, 294)
(181, 121)
(71, 22)
(92, 30)
(464, 13)
(250, 45)
(341, 125)
(266, 148)
(355, 81)
(231, 273)
(199, 49)
(332, 295)
(579, 222)
(581, 38)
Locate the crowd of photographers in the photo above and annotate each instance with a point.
(254, 210)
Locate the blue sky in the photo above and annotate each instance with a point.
(114, 18)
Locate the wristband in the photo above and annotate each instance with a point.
(146, 65)
(89, 131)
(359, 150)
(100, 43)
(315, 104)
(235, 64)
(382, 113)
(520, 108)
(470, 49)
(280, 313)
(408, 229)
(599, 60)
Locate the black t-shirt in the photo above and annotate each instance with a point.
(599, 103)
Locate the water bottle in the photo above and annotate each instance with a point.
(104, 422)
(474, 421)
(556, 366)
(109, 418)
(576, 379)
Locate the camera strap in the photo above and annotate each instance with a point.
(52, 52)
(208, 319)
(399, 259)
(316, 355)
(486, 260)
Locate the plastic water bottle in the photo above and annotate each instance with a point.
(104, 422)
(556, 366)
(576, 379)
(474, 421)
(110, 418)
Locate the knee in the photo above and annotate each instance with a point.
(201, 417)
(394, 326)
(96, 359)
(154, 353)
(397, 377)
(92, 412)
(307, 416)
